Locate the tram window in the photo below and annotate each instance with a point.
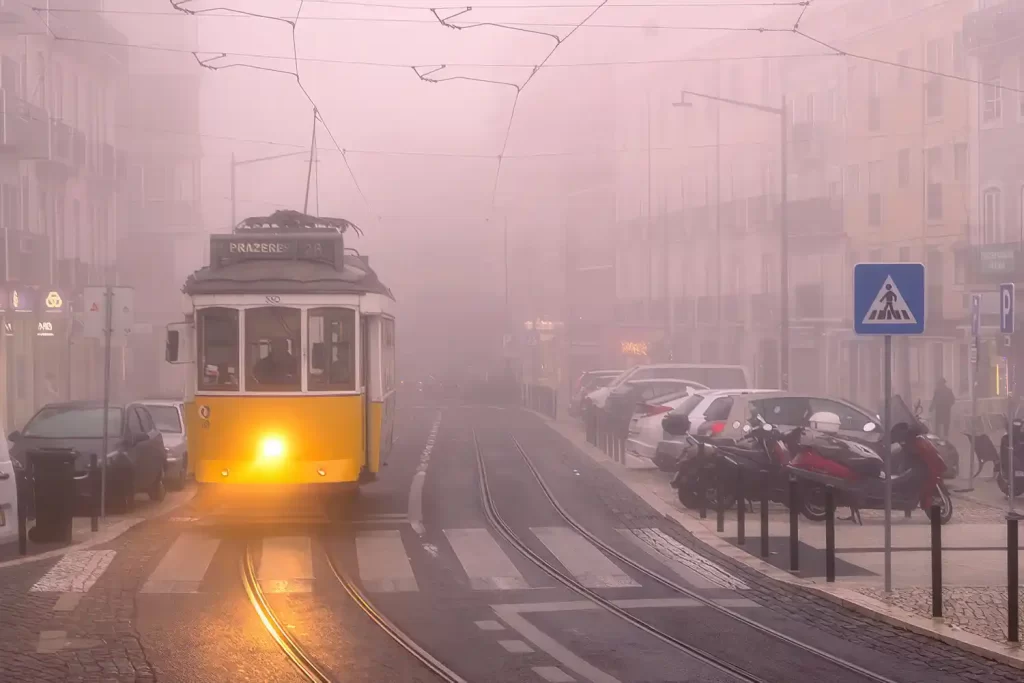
(217, 329)
(272, 349)
(332, 349)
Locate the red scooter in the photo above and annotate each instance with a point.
(855, 468)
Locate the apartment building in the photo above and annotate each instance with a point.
(878, 160)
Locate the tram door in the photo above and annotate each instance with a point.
(364, 345)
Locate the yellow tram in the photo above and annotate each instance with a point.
(290, 343)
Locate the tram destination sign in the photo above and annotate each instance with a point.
(228, 249)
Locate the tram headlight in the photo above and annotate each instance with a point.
(272, 449)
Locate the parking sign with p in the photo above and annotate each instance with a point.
(1006, 313)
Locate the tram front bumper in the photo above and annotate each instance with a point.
(276, 469)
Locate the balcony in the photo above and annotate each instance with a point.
(1001, 24)
(62, 143)
(816, 216)
(23, 128)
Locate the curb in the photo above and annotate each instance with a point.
(1011, 655)
(111, 532)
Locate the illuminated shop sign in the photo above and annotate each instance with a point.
(631, 348)
(44, 328)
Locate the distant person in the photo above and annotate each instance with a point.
(279, 366)
(942, 407)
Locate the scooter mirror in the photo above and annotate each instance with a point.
(676, 425)
(746, 429)
(766, 427)
(870, 427)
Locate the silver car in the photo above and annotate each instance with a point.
(169, 416)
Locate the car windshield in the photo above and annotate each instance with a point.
(166, 418)
(687, 406)
(73, 422)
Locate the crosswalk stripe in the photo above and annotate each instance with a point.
(183, 567)
(383, 564)
(286, 565)
(585, 562)
(485, 563)
(76, 572)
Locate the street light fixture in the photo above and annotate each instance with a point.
(783, 219)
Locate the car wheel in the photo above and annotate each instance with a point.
(157, 492)
(178, 482)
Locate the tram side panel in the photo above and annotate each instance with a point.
(276, 439)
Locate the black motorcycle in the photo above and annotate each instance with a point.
(696, 479)
(1003, 468)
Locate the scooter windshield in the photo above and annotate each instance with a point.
(902, 414)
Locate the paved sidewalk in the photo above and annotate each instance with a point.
(974, 558)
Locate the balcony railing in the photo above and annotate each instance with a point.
(23, 127)
(991, 26)
(62, 145)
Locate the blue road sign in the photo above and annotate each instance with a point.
(888, 298)
(1006, 298)
(975, 315)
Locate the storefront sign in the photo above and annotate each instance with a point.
(44, 328)
(996, 259)
(8, 329)
(54, 301)
(22, 300)
(634, 348)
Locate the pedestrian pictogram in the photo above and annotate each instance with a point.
(889, 307)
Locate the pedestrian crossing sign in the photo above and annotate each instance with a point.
(888, 298)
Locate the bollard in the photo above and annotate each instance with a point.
(1012, 579)
(97, 485)
(764, 522)
(22, 514)
(720, 489)
(936, 562)
(794, 529)
(830, 535)
(741, 509)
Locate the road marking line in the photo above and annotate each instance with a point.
(416, 490)
(489, 625)
(556, 650)
(552, 674)
(691, 566)
(383, 565)
(76, 572)
(517, 647)
(67, 602)
(485, 563)
(286, 565)
(183, 567)
(585, 562)
(634, 603)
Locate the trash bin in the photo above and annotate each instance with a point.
(53, 475)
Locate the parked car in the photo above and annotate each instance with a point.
(623, 400)
(703, 407)
(588, 382)
(135, 457)
(8, 497)
(169, 416)
(711, 376)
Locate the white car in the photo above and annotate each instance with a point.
(169, 416)
(8, 496)
(714, 376)
(711, 407)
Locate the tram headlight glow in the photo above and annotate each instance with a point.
(272, 449)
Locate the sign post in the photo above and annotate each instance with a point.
(972, 370)
(109, 315)
(888, 299)
(1006, 326)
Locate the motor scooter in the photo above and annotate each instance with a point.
(696, 479)
(946, 449)
(1003, 467)
(855, 467)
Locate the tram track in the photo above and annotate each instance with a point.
(299, 657)
(699, 653)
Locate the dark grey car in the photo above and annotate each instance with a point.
(135, 453)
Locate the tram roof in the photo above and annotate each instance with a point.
(288, 276)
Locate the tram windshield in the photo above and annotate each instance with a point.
(272, 343)
(332, 354)
(217, 330)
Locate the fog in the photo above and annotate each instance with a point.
(439, 130)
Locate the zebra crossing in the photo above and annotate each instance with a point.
(386, 560)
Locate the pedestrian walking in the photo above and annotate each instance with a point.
(942, 407)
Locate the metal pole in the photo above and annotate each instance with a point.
(1013, 579)
(718, 206)
(309, 173)
(830, 534)
(936, 560)
(794, 525)
(784, 253)
(234, 220)
(887, 453)
(972, 369)
(1012, 461)
(108, 324)
(764, 522)
(741, 509)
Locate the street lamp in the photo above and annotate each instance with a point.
(783, 220)
(246, 162)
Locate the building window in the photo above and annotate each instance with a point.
(959, 61)
(934, 201)
(810, 107)
(903, 74)
(830, 105)
(875, 193)
(960, 161)
(903, 168)
(934, 183)
(852, 184)
(933, 97)
(904, 254)
(992, 216)
(991, 93)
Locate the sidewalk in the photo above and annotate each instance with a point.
(974, 557)
(82, 535)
